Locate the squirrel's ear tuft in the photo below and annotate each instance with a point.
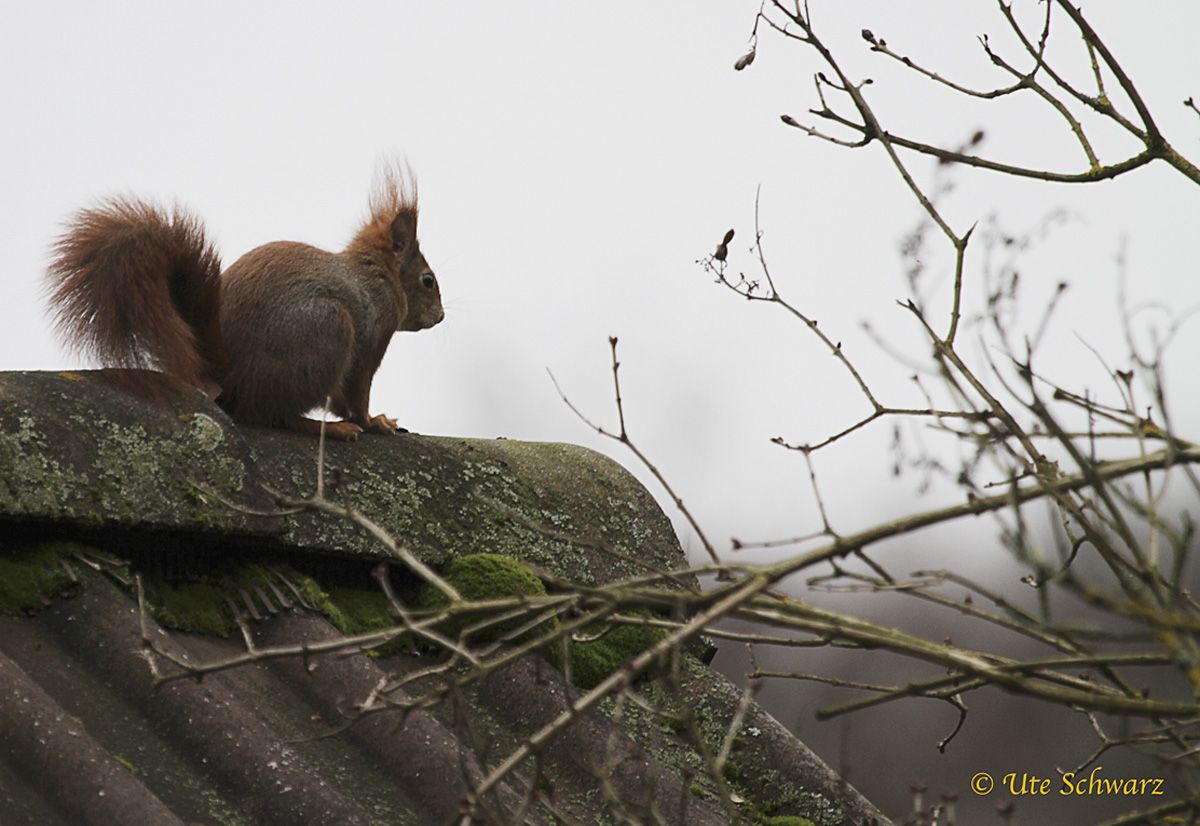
(404, 229)
(392, 224)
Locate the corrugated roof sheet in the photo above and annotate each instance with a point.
(87, 738)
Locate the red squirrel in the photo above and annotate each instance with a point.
(287, 327)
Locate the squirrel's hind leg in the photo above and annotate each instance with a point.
(342, 431)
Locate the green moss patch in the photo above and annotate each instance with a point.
(493, 576)
(485, 576)
(203, 606)
(361, 611)
(592, 661)
(189, 606)
(482, 577)
(31, 576)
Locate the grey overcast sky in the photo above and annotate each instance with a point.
(574, 160)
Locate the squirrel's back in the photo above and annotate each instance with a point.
(284, 300)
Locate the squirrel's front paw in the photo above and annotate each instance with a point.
(382, 424)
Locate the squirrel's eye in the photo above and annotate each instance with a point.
(427, 280)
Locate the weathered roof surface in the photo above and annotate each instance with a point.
(79, 453)
(85, 737)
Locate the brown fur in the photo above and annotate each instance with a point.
(394, 194)
(137, 287)
(286, 328)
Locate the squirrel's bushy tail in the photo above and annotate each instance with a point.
(138, 287)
